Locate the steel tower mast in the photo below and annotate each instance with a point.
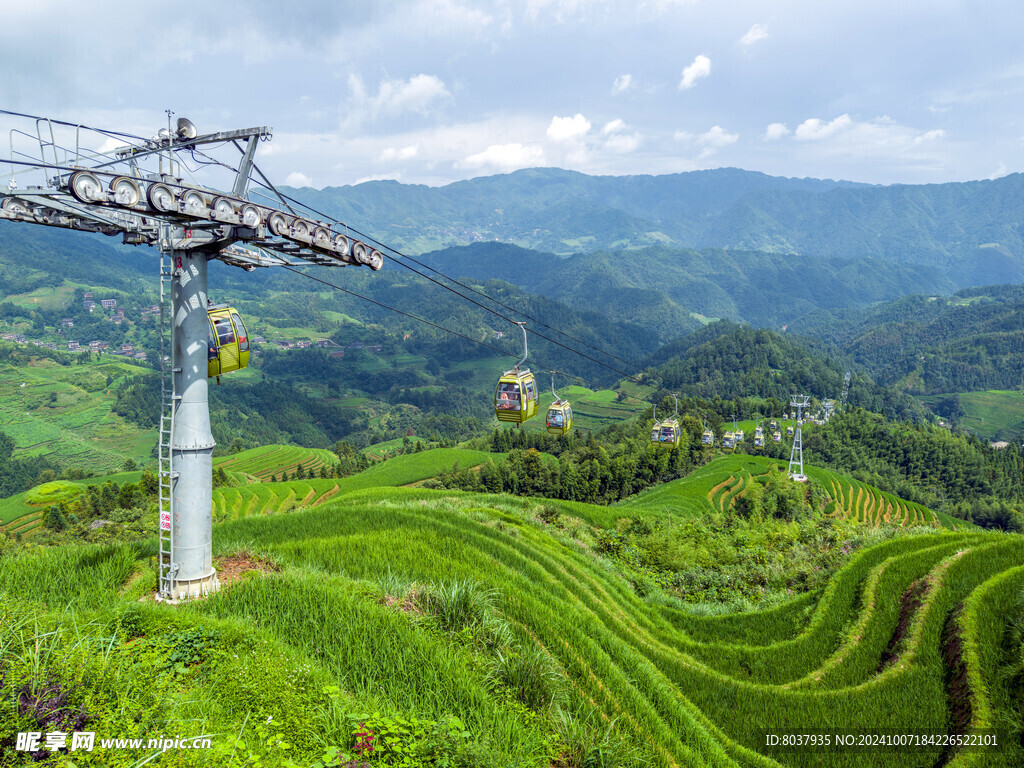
(796, 456)
(138, 190)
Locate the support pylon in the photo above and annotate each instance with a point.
(796, 456)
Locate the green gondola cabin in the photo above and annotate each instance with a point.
(228, 344)
(515, 398)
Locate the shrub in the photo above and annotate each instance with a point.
(528, 674)
(462, 604)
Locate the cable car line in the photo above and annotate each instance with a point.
(400, 255)
(442, 328)
(629, 376)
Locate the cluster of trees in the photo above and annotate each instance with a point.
(19, 474)
(970, 341)
(597, 468)
(727, 361)
(105, 512)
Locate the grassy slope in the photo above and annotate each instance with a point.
(262, 498)
(993, 414)
(681, 692)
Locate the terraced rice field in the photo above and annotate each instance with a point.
(64, 413)
(716, 486)
(867, 504)
(269, 461)
(704, 490)
(905, 638)
(265, 498)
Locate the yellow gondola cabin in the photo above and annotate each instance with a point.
(228, 345)
(559, 418)
(515, 399)
(667, 433)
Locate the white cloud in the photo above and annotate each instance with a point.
(710, 141)
(413, 95)
(622, 143)
(617, 139)
(755, 33)
(418, 94)
(933, 135)
(505, 157)
(296, 179)
(568, 128)
(880, 140)
(813, 129)
(717, 137)
(622, 84)
(390, 154)
(775, 131)
(701, 67)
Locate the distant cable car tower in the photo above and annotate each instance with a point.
(143, 190)
(796, 456)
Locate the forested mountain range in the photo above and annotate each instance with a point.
(972, 340)
(664, 288)
(969, 232)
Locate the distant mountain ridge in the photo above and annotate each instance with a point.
(970, 231)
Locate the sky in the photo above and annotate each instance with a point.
(434, 91)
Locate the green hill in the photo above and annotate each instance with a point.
(391, 611)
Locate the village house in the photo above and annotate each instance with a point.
(72, 345)
(109, 303)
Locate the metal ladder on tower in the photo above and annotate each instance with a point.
(165, 473)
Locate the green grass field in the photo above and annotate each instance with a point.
(343, 606)
(263, 498)
(380, 450)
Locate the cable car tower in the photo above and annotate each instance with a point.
(796, 456)
(144, 190)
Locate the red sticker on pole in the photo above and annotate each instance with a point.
(165, 521)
